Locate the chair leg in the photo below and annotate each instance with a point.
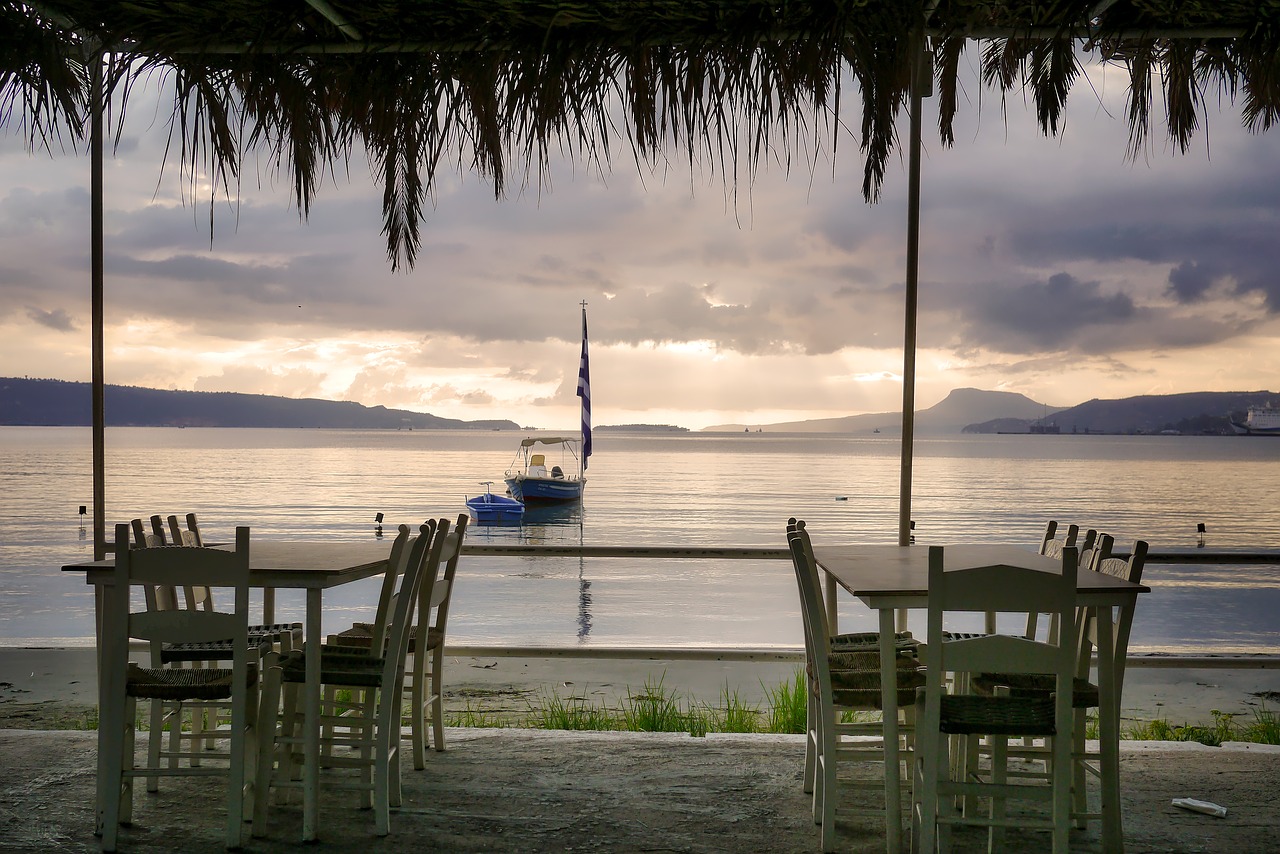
(999, 776)
(417, 709)
(370, 756)
(827, 765)
(268, 720)
(1079, 780)
(127, 760)
(437, 696)
(155, 742)
(810, 747)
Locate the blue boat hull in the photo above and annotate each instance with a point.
(536, 489)
(495, 508)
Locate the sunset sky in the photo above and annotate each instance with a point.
(1051, 267)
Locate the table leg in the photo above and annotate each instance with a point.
(311, 736)
(889, 702)
(104, 726)
(1109, 733)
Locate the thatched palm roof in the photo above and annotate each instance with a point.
(497, 86)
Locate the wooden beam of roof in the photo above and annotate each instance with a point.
(976, 33)
(323, 7)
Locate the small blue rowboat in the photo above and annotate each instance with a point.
(494, 509)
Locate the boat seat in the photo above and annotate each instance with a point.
(537, 466)
(557, 472)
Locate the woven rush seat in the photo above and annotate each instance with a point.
(201, 683)
(361, 635)
(1084, 694)
(337, 667)
(861, 688)
(859, 641)
(963, 714)
(260, 640)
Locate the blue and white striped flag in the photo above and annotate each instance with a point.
(584, 392)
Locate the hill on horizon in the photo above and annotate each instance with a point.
(45, 403)
(960, 408)
(1189, 412)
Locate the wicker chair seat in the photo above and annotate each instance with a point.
(215, 650)
(870, 641)
(336, 667)
(1084, 694)
(970, 714)
(182, 683)
(361, 635)
(860, 687)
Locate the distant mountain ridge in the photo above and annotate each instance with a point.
(1189, 412)
(40, 402)
(969, 410)
(963, 406)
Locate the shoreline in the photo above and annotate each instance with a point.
(56, 687)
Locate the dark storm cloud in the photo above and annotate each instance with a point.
(1190, 281)
(1041, 315)
(1218, 234)
(57, 319)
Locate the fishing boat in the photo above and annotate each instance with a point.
(490, 508)
(531, 480)
(1262, 421)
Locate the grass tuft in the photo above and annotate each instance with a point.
(788, 704)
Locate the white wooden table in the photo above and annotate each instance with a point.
(311, 566)
(896, 578)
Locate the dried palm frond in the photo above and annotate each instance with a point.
(499, 87)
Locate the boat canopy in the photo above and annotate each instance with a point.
(548, 440)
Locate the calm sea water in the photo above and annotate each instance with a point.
(650, 490)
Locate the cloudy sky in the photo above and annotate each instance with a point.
(1051, 267)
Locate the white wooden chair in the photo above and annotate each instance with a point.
(206, 719)
(424, 679)
(125, 683)
(364, 731)
(425, 683)
(1004, 589)
(844, 679)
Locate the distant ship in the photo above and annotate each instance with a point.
(1262, 421)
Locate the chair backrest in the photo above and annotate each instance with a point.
(1129, 569)
(400, 607)
(1051, 547)
(144, 539)
(178, 566)
(196, 596)
(189, 536)
(1003, 589)
(397, 562)
(160, 597)
(435, 607)
(817, 637)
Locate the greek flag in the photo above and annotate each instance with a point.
(584, 392)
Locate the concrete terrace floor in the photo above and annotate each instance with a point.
(533, 791)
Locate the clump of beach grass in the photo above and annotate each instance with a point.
(733, 715)
(1263, 729)
(788, 704)
(655, 709)
(571, 713)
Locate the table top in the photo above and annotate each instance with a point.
(281, 564)
(875, 573)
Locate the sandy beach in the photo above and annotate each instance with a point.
(55, 688)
